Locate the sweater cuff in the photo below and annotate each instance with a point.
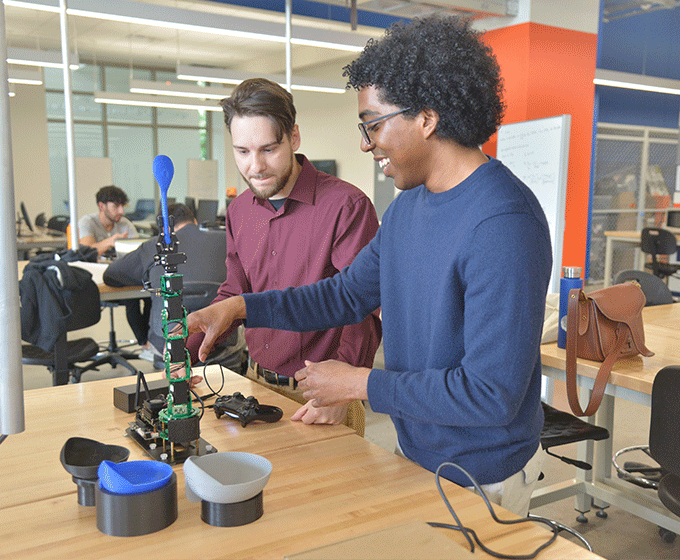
(380, 391)
(257, 310)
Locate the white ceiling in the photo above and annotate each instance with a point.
(144, 45)
(137, 45)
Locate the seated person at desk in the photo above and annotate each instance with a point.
(205, 252)
(101, 230)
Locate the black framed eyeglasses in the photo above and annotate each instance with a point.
(368, 126)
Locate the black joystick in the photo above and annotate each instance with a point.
(246, 409)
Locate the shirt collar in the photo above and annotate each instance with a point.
(305, 186)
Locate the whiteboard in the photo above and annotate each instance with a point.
(538, 153)
(92, 174)
(202, 179)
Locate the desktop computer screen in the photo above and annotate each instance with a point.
(206, 212)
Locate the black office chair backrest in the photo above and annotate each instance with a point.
(85, 307)
(658, 241)
(55, 299)
(40, 219)
(197, 295)
(664, 428)
(59, 223)
(656, 291)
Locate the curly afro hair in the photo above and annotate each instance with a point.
(437, 63)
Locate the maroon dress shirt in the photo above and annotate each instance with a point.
(318, 231)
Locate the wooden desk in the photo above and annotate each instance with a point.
(631, 379)
(107, 293)
(629, 237)
(327, 484)
(38, 239)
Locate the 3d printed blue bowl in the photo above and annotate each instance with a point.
(225, 478)
(133, 477)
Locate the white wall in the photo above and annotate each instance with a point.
(30, 152)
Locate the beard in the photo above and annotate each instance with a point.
(274, 189)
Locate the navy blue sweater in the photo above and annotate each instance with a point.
(461, 277)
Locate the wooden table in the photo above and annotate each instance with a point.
(41, 237)
(628, 237)
(631, 379)
(327, 484)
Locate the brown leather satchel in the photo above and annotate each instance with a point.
(603, 326)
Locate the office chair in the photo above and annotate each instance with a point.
(62, 358)
(58, 223)
(663, 447)
(40, 219)
(659, 242)
(561, 428)
(656, 291)
(81, 308)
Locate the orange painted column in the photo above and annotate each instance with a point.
(549, 71)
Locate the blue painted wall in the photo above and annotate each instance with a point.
(645, 44)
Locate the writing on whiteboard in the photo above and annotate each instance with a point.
(538, 153)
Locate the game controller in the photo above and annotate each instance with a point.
(246, 409)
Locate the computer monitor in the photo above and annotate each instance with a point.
(673, 219)
(206, 211)
(24, 216)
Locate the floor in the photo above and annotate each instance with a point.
(620, 536)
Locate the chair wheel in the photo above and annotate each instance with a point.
(602, 514)
(666, 535)
(582, 519)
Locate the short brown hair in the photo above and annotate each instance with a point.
(111, 193)
(263, 98)
(181, 212)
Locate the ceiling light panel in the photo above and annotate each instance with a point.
(220, 76)
(636, 81)
(114, 98)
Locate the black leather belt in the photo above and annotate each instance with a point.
(272, 377)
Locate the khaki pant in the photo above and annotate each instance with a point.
(356, 414)
(513, 493)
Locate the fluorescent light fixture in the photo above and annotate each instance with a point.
(114, 98)
(156, 15)
(636, 81)
(48, 59)
(220, 76)
(178, 90)
(31, 77)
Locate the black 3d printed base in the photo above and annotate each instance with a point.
(232, 515)
(154, 449)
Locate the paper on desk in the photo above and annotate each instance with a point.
(96, 269)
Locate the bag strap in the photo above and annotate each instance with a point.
(575, 296)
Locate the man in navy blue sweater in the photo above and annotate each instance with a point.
(460, 267)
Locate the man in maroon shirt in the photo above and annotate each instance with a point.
(294, 227)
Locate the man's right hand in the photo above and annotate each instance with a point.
(214, 320)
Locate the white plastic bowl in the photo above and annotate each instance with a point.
(225, 478)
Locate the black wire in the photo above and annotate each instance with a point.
(467, 531)
(213, 393)
(200, 400)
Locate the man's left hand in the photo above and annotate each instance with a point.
(332, 383)
(309, 414)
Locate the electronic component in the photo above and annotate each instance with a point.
(167, 426)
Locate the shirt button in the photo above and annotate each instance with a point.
(273, 252)
(266, 345)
